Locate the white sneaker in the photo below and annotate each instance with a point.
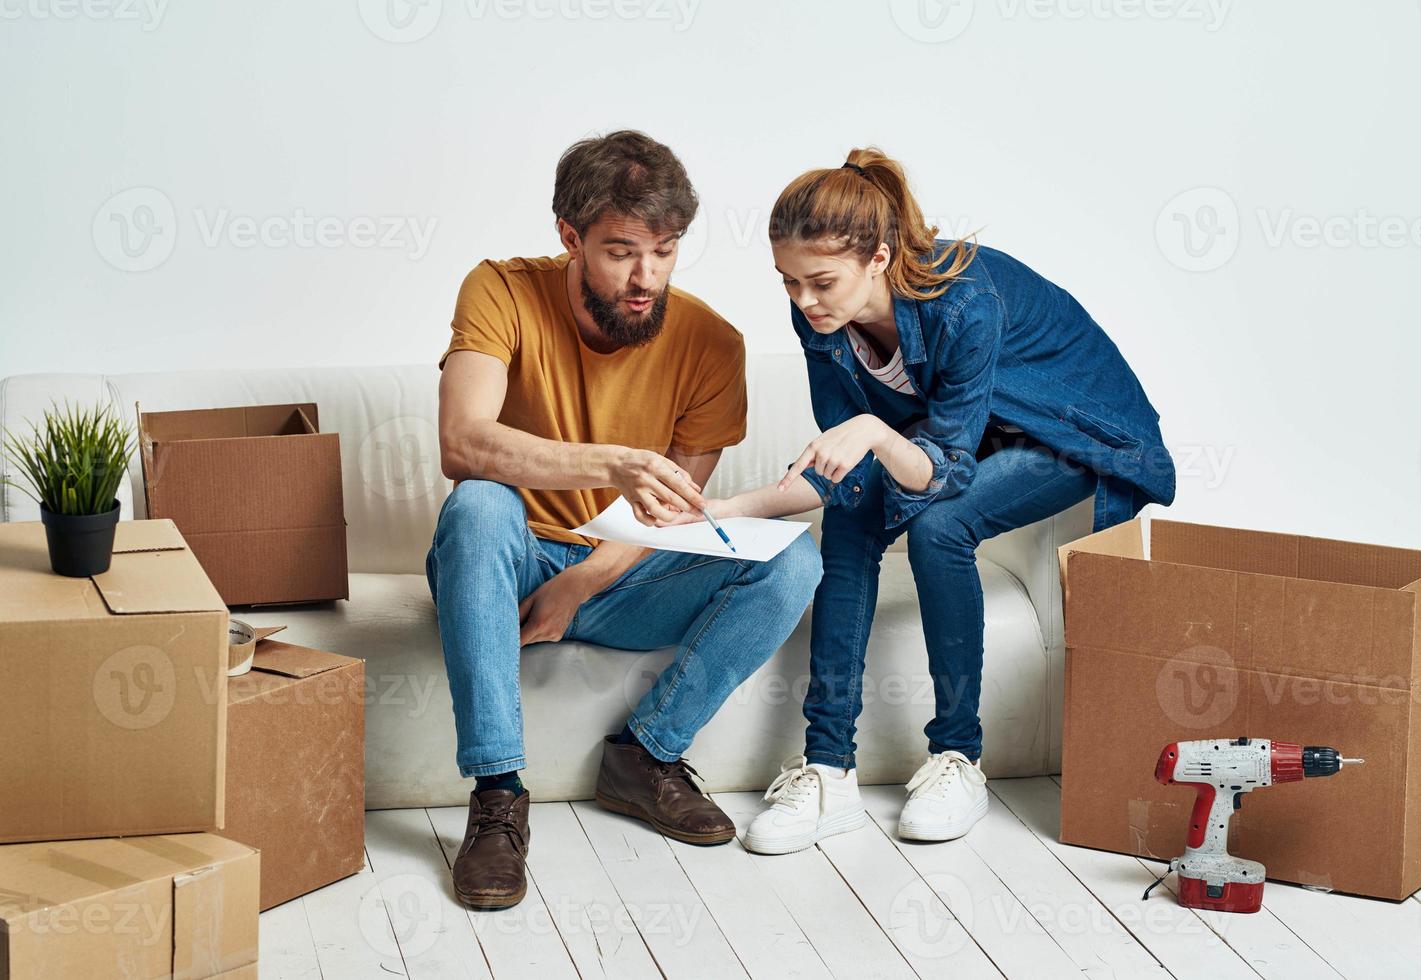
(946, 796)
(808, 803)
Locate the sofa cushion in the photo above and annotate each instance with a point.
(575, 692)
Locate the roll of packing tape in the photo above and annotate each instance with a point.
(242, 644)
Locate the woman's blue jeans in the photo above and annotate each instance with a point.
(1018, 482)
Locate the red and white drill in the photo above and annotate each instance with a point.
(1223, 770)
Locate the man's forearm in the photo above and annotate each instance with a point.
(607, 563)
(489, 450)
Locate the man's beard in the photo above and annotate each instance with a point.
(622, 329)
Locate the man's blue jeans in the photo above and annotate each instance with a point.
(724, 616)
(1017, 484)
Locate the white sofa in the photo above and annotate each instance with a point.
(574, 692)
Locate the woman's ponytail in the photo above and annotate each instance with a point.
(856, 207)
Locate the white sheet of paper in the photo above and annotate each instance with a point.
(755, 538)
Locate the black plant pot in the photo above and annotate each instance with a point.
(79, 544)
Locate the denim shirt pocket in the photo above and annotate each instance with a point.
(1104, 432)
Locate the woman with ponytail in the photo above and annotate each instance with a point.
(960, 394)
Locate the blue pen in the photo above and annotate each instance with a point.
(718, 530)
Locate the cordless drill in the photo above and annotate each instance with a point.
(1223, 770)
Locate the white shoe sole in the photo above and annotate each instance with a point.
(840, 823)
(944, 830)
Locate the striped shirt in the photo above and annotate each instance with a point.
(893, 373)
(890, 373)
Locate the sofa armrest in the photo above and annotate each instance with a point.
(1030, 553)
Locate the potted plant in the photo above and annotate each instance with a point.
(73, 465)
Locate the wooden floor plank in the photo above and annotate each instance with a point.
(433, 929)
(1087, 930)
(287, 950)
(1359, 937)
(595, 925)
(679, 930)
(987, 908)
(847, 938)
(1178, 938)
(517, 942)
(750, 914)
(609, 897)
(902, 903)
(351, 930)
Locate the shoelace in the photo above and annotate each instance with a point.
(941, 769)
(680, 769)
(795, 783)
(493, 822)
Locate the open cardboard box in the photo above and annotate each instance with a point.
(1220, 632)
(175, 906)
(115, 718)
(256, 491)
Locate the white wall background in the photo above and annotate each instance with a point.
(1229, 187)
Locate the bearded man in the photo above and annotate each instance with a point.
(570, 381)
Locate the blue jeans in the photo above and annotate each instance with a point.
(1018, 481)
(724, 616)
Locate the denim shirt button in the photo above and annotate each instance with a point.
(952, 456)
(836, 354)
(857, 489)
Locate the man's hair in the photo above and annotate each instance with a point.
(627, 173)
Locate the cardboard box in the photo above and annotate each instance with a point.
(256, 492)
(296, 767)
(1226, 633)
(180, 906)
(115, 696)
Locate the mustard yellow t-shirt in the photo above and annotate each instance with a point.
(685, 390)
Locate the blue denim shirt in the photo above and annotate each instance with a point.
(1002, 341)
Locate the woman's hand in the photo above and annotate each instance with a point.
(719, 509)
(839, 449)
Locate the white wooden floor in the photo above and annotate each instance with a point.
(609, 897)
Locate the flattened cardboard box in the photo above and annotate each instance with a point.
(183, 905)
(1223, 632)
(256, 490)
(296, 767)
(115, 716)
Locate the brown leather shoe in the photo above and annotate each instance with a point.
(489, 870)
(634, 782)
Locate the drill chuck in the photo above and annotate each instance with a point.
(1319, 760)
